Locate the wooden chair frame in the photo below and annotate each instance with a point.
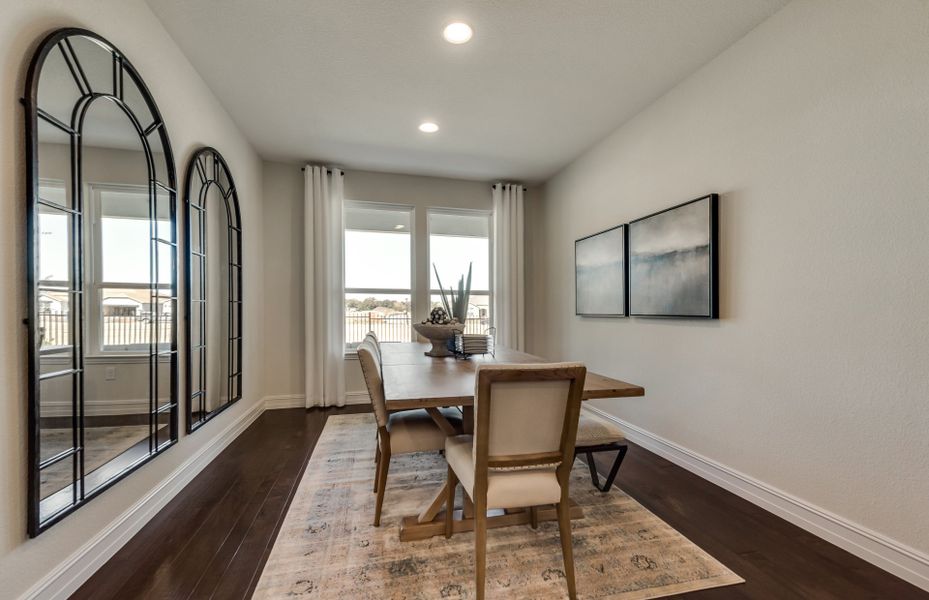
(484, 462)
(382, 453)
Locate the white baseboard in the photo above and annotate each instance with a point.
(299, 400)
(68, 576)
(888, 554)
(284, 401)
(357, 398)
(98, 408)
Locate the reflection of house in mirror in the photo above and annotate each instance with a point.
(120, 306)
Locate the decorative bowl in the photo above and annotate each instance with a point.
(439, 336)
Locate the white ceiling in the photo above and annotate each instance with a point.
(346, 82)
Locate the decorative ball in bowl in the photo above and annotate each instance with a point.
(439, 336)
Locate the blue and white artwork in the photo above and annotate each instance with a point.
(672, 262)
(600, 274)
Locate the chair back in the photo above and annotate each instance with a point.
(526, 416)
(370, 360)
(372, 337)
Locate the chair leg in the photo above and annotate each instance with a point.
(377, 463)
(383, 467)
(564, 531)
(534, 517)
(451, 486)
(480, 546)
(615, 469)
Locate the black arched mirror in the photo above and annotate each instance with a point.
(102, 257)
(213, 270)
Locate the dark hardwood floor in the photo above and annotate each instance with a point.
(212, 540)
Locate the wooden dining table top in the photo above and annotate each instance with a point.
(414, 380)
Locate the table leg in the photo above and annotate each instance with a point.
(429, 513)
(441, 421)
(467, 419)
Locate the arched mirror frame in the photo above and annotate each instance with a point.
(207, 168)
(59, 41)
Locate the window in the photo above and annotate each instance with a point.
(124, 302)
(378, 272)
(459, 239)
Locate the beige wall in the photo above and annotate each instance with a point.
(283, 191)
(814, 129)
(194, 117)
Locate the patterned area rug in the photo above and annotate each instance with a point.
(327, 547)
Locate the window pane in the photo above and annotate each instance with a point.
(126, 249)
(126, 236)
(56, 411)
(55, 246)
(455, 242)
(164, 211)
(478, 312)
(388, 315)
(55, 486)
(378, 248)
(377, 260)
(127, 319)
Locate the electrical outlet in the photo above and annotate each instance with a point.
(110, 374)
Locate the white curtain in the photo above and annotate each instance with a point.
(509, 266)
(324, 287)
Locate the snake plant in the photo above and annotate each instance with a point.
(456, 305)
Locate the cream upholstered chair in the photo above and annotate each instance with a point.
(598, 435)
(522, 450)
(403, 431)
(372, 337)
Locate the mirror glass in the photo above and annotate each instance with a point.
(214, 283)
(103, 264)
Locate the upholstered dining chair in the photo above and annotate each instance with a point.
(403, 431)
(598, 435)
(372, 337)
(522, 450)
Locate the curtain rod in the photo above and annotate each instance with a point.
(494, 186)
(328, 171)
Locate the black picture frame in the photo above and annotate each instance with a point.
(624, 277)
(712, 311)
(206, 168)
(122, 70)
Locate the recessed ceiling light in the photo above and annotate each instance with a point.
(458, 33)
(428, 127)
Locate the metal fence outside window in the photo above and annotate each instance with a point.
(54, 327)
(395, 327)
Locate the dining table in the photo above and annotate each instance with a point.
(413, 380)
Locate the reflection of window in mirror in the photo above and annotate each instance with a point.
(122, 306)
(54, 275)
